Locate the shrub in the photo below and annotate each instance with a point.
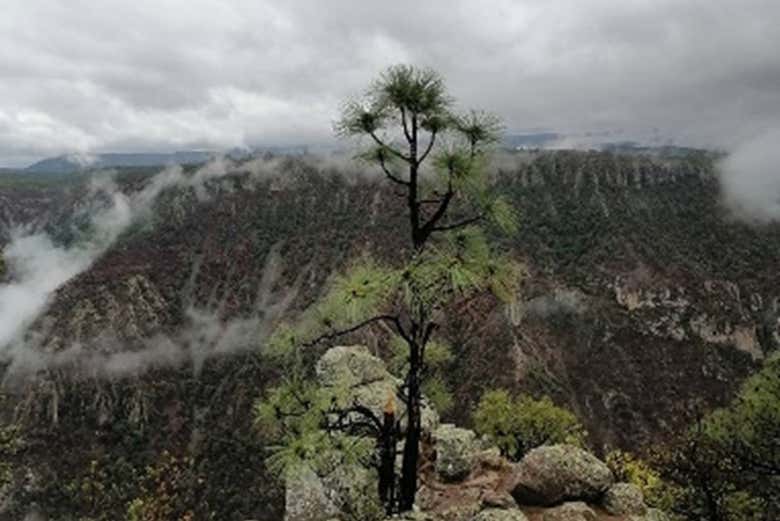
(628, 468)
(517, 425)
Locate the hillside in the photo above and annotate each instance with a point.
(644, 304)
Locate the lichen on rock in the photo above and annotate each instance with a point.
(624, 499)
(455, 451)
(365, 380)
(572, 511)
(500, 514)
(551, 474)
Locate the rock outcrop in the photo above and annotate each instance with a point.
(498, 514)
(622, 499)
(346, 493)
(367, 381)
(550, 475)
(468, 479)
(455, 452)
(572, 511)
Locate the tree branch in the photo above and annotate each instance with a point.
(429, 147)
(388, 148)
(335, 334)
(458, 224)
(406, 127)
(371, 421)
(392, 319)
(389, 174)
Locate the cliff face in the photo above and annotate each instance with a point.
(644, 303)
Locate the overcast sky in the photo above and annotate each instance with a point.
(108, 75)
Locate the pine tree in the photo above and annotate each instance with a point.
(408, 118)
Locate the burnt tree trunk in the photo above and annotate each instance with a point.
(387, 454)
(411, 456)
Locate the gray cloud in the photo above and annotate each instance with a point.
(38, 266)
(750, 178)
(109, 75)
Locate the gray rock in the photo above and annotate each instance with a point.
(500, 514)
(491, 459)
(347, 493)
(624, 499)
(574, 511)
(306, 498)
(496, 499)
(655, 514)
(366, 381)
(552, 474)
(455, 452)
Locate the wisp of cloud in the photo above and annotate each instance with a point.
(38, 266)
(750, 179)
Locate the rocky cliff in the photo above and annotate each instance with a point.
(644, 303)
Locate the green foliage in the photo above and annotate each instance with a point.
(351, 298)
(628, 468)
(402, 113)
(739, 447)
(400, 87)
(523, 423)
(459, 265)
(169, 491)
(438, 356)
(727, 468)
(294, 417)
(11, 444)
(749, 428)
(97, 489)
(702, 481)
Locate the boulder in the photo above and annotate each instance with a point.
(552, 474)
(574, 511)
(455, 452)
(413, 516)
(490, 459)
(367, 382)
(347, 493)
(654, 514)
(500, 514)
(624, 499)
(498, 499)
(306, 498)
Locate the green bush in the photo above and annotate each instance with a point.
(628, 468)
(517, 425)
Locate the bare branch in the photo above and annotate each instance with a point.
(429, 147)
(387, 147)
(379, 318)
(344, 422)
(458, 224)
(406, 126)
(389, 174)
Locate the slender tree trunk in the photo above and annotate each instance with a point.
(411, 456)
(387, 462)
(414, 207)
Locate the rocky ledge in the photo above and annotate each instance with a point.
(464, 478)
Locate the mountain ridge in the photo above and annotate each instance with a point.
(639, 285)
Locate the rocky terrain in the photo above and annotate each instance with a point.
(644, 304)
(464, 478)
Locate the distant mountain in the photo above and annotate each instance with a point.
(75, 163)
(531, 140)
(66, 164)
(643, 303)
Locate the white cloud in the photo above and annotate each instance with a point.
(750, 178)
(111, 75)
